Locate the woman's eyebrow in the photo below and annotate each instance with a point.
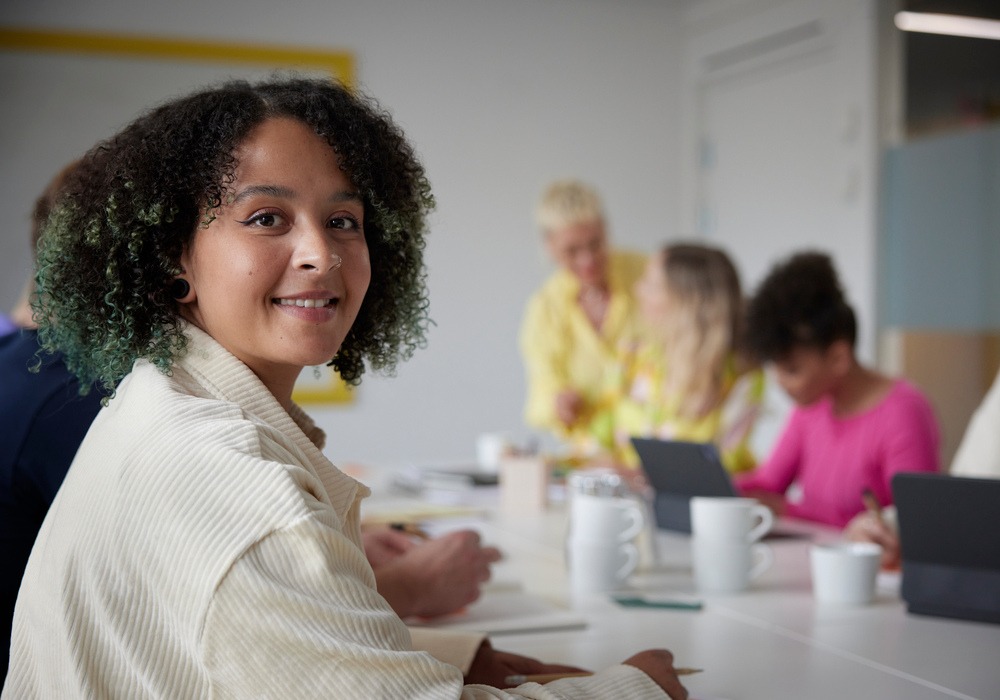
(347, 196)
(263, 190)
(287, 193)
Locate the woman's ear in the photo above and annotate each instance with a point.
(182, 288)
(181, 291)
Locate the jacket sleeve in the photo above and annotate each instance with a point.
(298, 616)
(779, 470)
(912, 443)
(543, 350)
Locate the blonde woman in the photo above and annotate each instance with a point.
(689, 381)
(575, 322)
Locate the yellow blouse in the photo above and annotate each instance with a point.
(635, 403)
(562, 350)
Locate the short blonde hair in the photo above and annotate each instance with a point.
(568, 202)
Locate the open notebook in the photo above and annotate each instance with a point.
(508, 610)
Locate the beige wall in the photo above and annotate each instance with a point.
(954, 369)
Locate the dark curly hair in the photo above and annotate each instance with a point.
(112, 244)
(799, 304)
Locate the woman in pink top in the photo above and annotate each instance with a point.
(853, 427)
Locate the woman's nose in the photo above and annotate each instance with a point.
(315, 251)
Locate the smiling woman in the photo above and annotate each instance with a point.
(201, 544)
(176, 173)
(279, 274)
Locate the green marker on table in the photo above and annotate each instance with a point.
(662, 603)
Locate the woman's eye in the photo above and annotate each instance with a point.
(346, 223)
(264, 219)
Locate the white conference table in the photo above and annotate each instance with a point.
(771, 642)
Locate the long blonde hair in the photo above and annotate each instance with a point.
(703, 325)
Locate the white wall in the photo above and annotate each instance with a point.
(499, 96)
(781, 136)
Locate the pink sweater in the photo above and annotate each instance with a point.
(834, 459)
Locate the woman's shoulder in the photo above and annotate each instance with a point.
(555, 294)
(907, 402)
(173, 402)
(906, 395)
(627, 267)
(739, 371)
(171, 435)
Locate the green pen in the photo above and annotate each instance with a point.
(665, 604)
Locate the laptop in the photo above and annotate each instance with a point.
(950, 545)
(678, 470)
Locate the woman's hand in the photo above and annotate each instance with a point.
(383, 544)
(569, 407)
(492, 667)
(774, 501)
(658, 664)
(868, 527)
(438, 576)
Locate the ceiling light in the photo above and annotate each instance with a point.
(953, 25)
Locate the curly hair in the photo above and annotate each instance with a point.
(799, 304)
(45, 202)
(112, 244)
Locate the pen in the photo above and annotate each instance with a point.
(636, 602)
(411, 529)
(518, 679)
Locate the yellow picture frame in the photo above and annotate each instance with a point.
(340, 64)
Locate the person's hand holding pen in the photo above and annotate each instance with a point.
(505, 670)
(427, 577)
(871, 526)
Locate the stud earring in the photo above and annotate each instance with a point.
(180, 288)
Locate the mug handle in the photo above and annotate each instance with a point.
(632, 561)
(764, 556)
(765, 524)
(638, 522)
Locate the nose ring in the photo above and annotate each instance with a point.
(337, 261)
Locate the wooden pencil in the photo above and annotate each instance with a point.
(411, 529)
(518, 679)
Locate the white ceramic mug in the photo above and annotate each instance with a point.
(729, 519)
(845, 572)
(596, 518)
(490, 449)
(601, 565)
(728, 567)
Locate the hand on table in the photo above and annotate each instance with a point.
(492, 667)
(434, 577)
(868, 527)
(774, 501)
(383, 544)
(658, 664)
